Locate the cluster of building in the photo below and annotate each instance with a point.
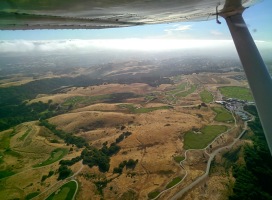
(236, 106)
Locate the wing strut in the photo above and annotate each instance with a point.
(256, 72)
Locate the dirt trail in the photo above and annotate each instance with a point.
(141, 162)
(211, 157)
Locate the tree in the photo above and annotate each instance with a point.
(64, 172)
(131, 163)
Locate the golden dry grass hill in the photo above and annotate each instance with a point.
(143, 136)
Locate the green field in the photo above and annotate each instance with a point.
(170, 98)
(5, 150)
(206, 96)
(1, 157)
(10, 152)
(5, 140)
(222, 115)
(201, 140)
(6, 173)
(236, 92)
(154, 194)
(85, 99)
(25, 134)
(56, 155)
(31, 195)
(174, 181)
(187, 92)
(74, 100)
(149, 97)
(134, 109)
(178, 159)
(179, 88)
(65, 192)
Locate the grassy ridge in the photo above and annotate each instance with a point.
(25, 134)
(5, 150)
(236, 92)
(206, 96)
(56, 155)
(179, 88)
(85, 99)
(110, 98)
(187, 92)
(134, 109)
(4, 140)
(206, 135)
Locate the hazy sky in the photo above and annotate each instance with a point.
(257, 17)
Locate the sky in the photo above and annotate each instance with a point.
(257, 17)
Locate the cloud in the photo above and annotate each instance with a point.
(216, 33)
(75, 46)
(16, 46)
(45, 45)
(13, 46)
(178, 28)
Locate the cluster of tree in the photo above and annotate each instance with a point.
(254, 179)
(95, 157)
(44, 177)
(64, 172)
(101, 157)
(123, 136)
(17, 94)
(130, 164)
(11, 115)
(153, 80)
(67, 137)
(202, 105)
(92, 156)
(119, 97)
(100, 185)
(14, 110)
(70, 162)
(111, 150)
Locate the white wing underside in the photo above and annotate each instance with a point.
(96, 14)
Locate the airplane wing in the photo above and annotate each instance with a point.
(97, 14)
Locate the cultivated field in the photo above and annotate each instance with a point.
(236, 92)
(222, 115)
(201, 138)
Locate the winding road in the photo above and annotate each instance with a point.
(62, 182)
(211, 157)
